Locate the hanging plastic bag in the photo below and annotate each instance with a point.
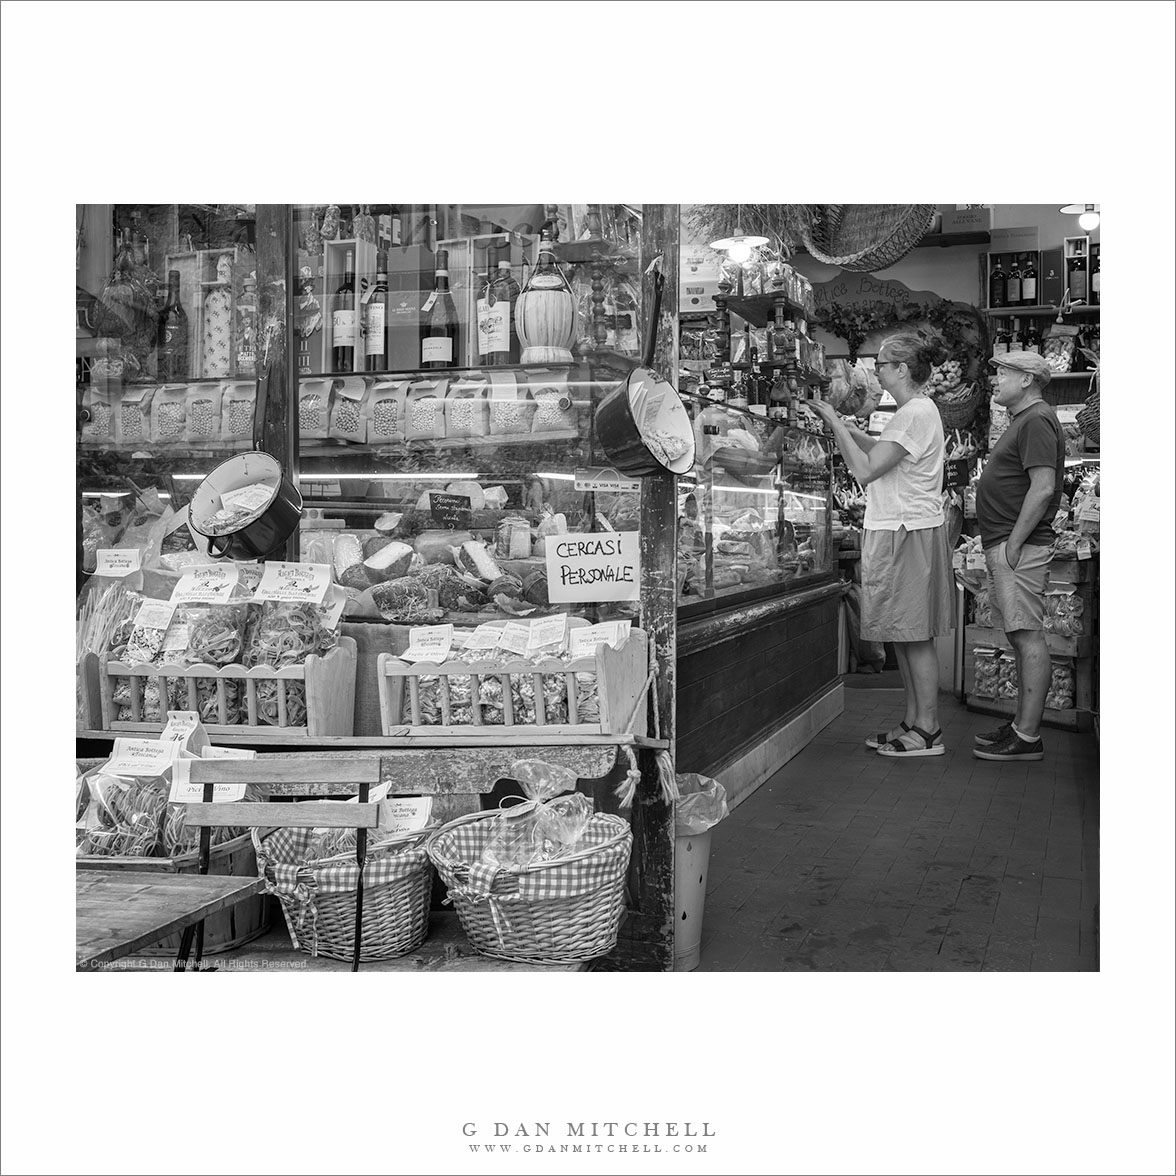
(703, 804)
(546, 826)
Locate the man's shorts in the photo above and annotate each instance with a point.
(1017, 595)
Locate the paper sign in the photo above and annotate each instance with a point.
(1091, 511)
(248, 498)
(451, 511)
(184, 728)
(206, 584)
(155, 614)
(977, 562)
(593, 567)
(550, 633)
(606, 481)
(183, 791)
(428, 643)
(582, 641)
(229, 753)
(118, 562)
(1085, 551)
(483, 639)
(405, 814)
(294, 582)
(141, 757)
(514, 637)
(956, 474)
(176, 639)
(333, 606)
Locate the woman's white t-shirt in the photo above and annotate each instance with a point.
(911, 494)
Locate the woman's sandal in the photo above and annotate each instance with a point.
(883, 737)
(900, 750)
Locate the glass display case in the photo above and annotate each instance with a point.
(449, 360)
(166, 360)
(755, 516)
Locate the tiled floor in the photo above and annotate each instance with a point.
(849, 861)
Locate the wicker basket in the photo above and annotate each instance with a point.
(959, 414)
(1088, 419)
(863, 238)
(559, 912)
(318, 897)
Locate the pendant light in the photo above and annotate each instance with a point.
(739, 245)
(1087, 215)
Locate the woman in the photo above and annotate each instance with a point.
(906, 565)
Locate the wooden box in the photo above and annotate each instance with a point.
(620, 676)
(329, 682)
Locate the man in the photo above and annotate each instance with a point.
(1016, 502)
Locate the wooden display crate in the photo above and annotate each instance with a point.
(330, 694)
(620, 676)
(1075, 647)
(240, 923)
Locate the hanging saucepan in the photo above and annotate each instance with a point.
(642, 424)
(247, 508)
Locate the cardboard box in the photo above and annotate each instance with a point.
(967, 218)
(1014, 240)
(1050, 277)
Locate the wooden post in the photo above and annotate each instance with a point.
(647, 937)
(276, 366)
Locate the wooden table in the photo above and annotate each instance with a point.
(120, 911)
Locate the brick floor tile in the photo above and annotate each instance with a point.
(1059, 934)
(1049, 961)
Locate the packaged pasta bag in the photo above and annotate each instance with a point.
(546, 826)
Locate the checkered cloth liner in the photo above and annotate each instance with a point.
(457, 851)
(282, 859)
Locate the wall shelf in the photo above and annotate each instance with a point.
(1035, 311)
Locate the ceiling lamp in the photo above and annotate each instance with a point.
(739, 245)
(1087, 214)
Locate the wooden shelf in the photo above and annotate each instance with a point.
(1069, 720)
(947, 240)
(428, 445)
(760, 309)
(1036, 311)
(1076, 647)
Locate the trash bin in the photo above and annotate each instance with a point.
(702, 805)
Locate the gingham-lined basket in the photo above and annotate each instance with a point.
(558, 912)
(318, 897)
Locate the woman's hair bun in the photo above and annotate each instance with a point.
(933, 350)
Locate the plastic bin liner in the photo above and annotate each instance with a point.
(703, 804)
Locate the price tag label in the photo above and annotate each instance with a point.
(1091, 511)
(428, 643)
(977, 562)
(550, 633)
(206, 584)
(1084, 549)
(244, 753)
(294, 582)
(484, 639)
(514, 638)
(118, 562)
(582, 641)
(184, 728)
(248, 498)
(405, 814)
(184, 791)
(155, 614)
(429, 302)
(142, 757)
(451, 511)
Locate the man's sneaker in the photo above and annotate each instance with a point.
(1011, 747)
(997, 735)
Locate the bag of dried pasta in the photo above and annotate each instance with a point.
(125, 815)
(284, 633)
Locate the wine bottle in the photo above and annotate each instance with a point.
(1015, 338)
(501, 297)
(996, 283)
(1000, 341)
(375, 319)
(1033, 337)
(439, 343)
(1095, 271)
(343, 320)
(1078, 278)
(245, 329)
(1013, 283)
(172, 338)
(1029, 281)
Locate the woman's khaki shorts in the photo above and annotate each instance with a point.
(907, 585)
(1017, 595)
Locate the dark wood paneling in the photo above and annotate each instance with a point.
(733, 693)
